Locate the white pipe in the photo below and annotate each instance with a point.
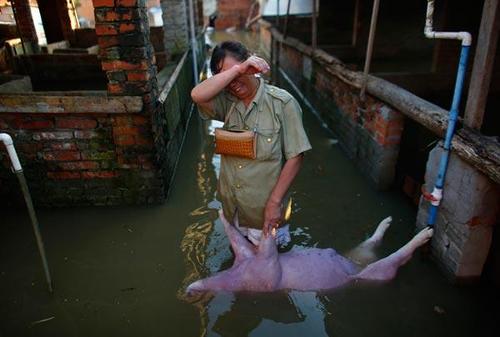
(193, 43)
(9, 144)
(429, 33)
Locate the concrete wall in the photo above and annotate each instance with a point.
(466, 216)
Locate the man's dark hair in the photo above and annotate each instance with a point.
(234, 49)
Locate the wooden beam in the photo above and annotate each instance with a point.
(429, 115)
(483, 65)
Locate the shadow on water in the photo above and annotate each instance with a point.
(123, 270)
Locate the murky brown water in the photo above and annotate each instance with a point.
(122, 271)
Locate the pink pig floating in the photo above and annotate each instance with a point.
(262, 269)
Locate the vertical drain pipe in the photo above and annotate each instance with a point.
(18, 170)
(369, 49)
(194, 47)
(437, 194)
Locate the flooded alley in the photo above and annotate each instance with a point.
(124, 177)
(123, 270)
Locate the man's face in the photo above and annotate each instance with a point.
(242, 86)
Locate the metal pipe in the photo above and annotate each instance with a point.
(18, 170)
(194, 47)
(437, 194)
(369, 49)
(314, 37)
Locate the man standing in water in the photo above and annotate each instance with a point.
(253, 192)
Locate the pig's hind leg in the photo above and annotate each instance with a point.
(364, 253)
(386, 268)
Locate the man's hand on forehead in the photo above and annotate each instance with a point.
(254, 65)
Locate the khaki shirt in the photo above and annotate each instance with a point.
(246, 184)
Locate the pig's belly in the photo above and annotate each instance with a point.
(313, 268)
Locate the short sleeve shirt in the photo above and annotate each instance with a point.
(245, 184)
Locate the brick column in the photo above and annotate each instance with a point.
(126, 51)
(25, 21)
(468, 211)
(175, 26)
(127, 57)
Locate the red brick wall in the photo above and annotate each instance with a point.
(383, 123)
(63, 154)
(232, 13)
(370, 136)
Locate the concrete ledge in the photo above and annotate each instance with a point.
(56, 102)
